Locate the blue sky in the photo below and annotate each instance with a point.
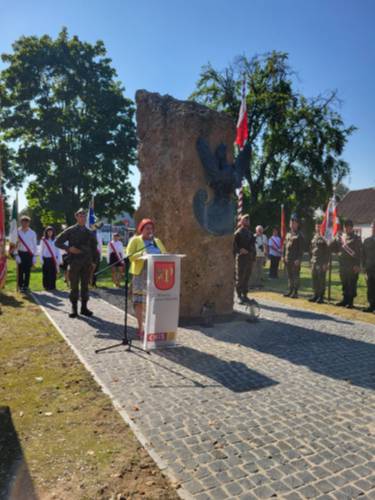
(160, 45)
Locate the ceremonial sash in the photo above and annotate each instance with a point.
(45, 241)
(115, 251)
(275, 245)
(25, 245)
(347, 249)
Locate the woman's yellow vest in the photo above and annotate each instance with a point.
(135, 250)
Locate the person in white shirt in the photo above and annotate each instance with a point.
(115, 254)
(261, 248)
(274, 252)
(26, 253)
(50, 258)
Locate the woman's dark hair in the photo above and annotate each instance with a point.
(276, 229)
(49, 228)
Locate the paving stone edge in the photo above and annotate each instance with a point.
(181, 491)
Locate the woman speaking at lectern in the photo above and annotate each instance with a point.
(144, 242)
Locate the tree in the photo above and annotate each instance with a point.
(296, 142)
(341, 190)
(70, 125)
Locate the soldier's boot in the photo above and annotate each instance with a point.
(84, 310)
(74, 313)
(349, 305)
(369, 309)
(294, 294)
(315, 298)
(342, 302)
(320, 300)
(288, 294)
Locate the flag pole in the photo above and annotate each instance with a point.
(329, 276)
(333, 200)
(17, 266)
(242, 134)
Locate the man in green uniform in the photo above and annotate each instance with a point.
(294, 246)
(81, 244)
(348, 246)
(319, 262)
(244, 251)
(369, 267)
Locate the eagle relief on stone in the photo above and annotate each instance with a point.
(217, 215)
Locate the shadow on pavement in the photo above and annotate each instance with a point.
(303, 314)
(334, 356)
(233, 375)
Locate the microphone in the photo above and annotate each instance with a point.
(151, 241)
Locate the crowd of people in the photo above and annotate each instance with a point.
(77, 252)
(252, 251)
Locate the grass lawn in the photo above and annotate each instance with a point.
(75, 444)
(104, 280)
(273, 289)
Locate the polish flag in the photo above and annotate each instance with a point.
(330, 225)
(242, 128)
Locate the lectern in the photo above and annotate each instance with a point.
(162, 300)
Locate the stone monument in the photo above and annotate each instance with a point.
(187, 182)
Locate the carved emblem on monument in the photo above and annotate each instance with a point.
(217, 215)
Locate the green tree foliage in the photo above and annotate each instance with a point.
(341, 190)
(11, 176)
(71, 129)
(297, 142)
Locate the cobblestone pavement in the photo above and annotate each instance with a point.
(281, 408)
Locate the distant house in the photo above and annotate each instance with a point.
(359, 206)
(123, 223)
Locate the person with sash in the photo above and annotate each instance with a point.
(143, 242)
(115, 256)
(50, 258)
(274, 252)
(25, 254)
(82, 254)
(348, 246)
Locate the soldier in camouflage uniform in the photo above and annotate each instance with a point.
(244, 252)
(294, 246)
(348, 246)
(369, 267)
(82, 249)
(319, 252)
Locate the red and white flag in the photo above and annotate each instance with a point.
(242, 126)
(330, 225)
(241, 138)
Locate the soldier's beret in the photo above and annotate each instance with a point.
(81, 211)
(294, 217)
(348, 222)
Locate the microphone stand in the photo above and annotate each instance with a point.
(125, 339)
